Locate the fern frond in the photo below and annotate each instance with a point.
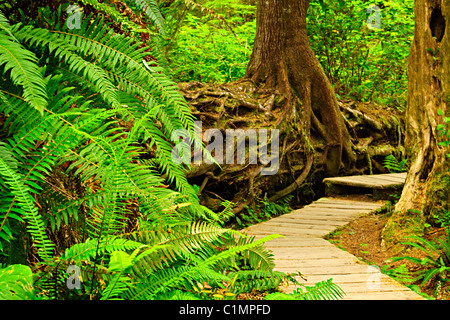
(151, 9)
(165, 279)
(324, 290)
(35, 224)
(114, 14)
(177, 240)
(248, 280)
(393, 165)
(23, 67)
(177, 295)
(88, 249)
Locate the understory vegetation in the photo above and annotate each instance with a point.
(92, 205)
(363, 63)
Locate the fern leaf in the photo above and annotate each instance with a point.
(35, 223)
(23, 67)
(151, 9)
(166, 279)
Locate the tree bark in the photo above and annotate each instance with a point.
(427, 185)
(283, 60)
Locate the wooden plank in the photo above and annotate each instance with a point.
(329, 271)
(362, 181)
(399, 176)
(350, 202)
(305, 253)
(337, 206)
(299, 224)
(383, 296)
(341, 207)
(390, 178)
(367, 184)
(359, 278)
(363, 287)
(294, 242)
(289, 228)
(344, 199)
(326, 211)
(285, 231)
(329, 209)
(329, 216)
(303, 220)
(335, 216)
(307, 233)
(303, 264)
(352, 181)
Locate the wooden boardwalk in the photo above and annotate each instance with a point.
(380, 185)
(304, 249)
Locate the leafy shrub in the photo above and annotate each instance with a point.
(360, 61)
(214, 43)
(265, 210)
(205, 49)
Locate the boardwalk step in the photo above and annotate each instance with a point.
(381, 186)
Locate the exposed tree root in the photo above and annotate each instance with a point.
(374, 130)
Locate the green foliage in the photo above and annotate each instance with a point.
(22, 67)
(366, 64)
(324, 290)
(83, 109)
(445, 132)
(16, 283)
(212, 42)
(87, 117)
(393, 165)
(435, 266)
(264, 211)
(214, 46)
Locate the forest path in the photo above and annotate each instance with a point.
(304, 249)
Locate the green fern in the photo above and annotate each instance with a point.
(151, 9)
(164, 280)
(21, 193)
(324, 290)
(393, 165)
(23, 67)
(79, 117)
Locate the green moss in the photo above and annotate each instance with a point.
(402, 225)
(438, 208)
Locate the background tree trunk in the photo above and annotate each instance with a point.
(286, 88)
(427, 185)
(283, 60)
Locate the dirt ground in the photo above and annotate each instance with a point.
(362, 238)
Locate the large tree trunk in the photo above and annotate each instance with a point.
(282, 59)
(285, 88)
(426, 192)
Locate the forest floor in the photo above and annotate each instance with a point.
(362, 238)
